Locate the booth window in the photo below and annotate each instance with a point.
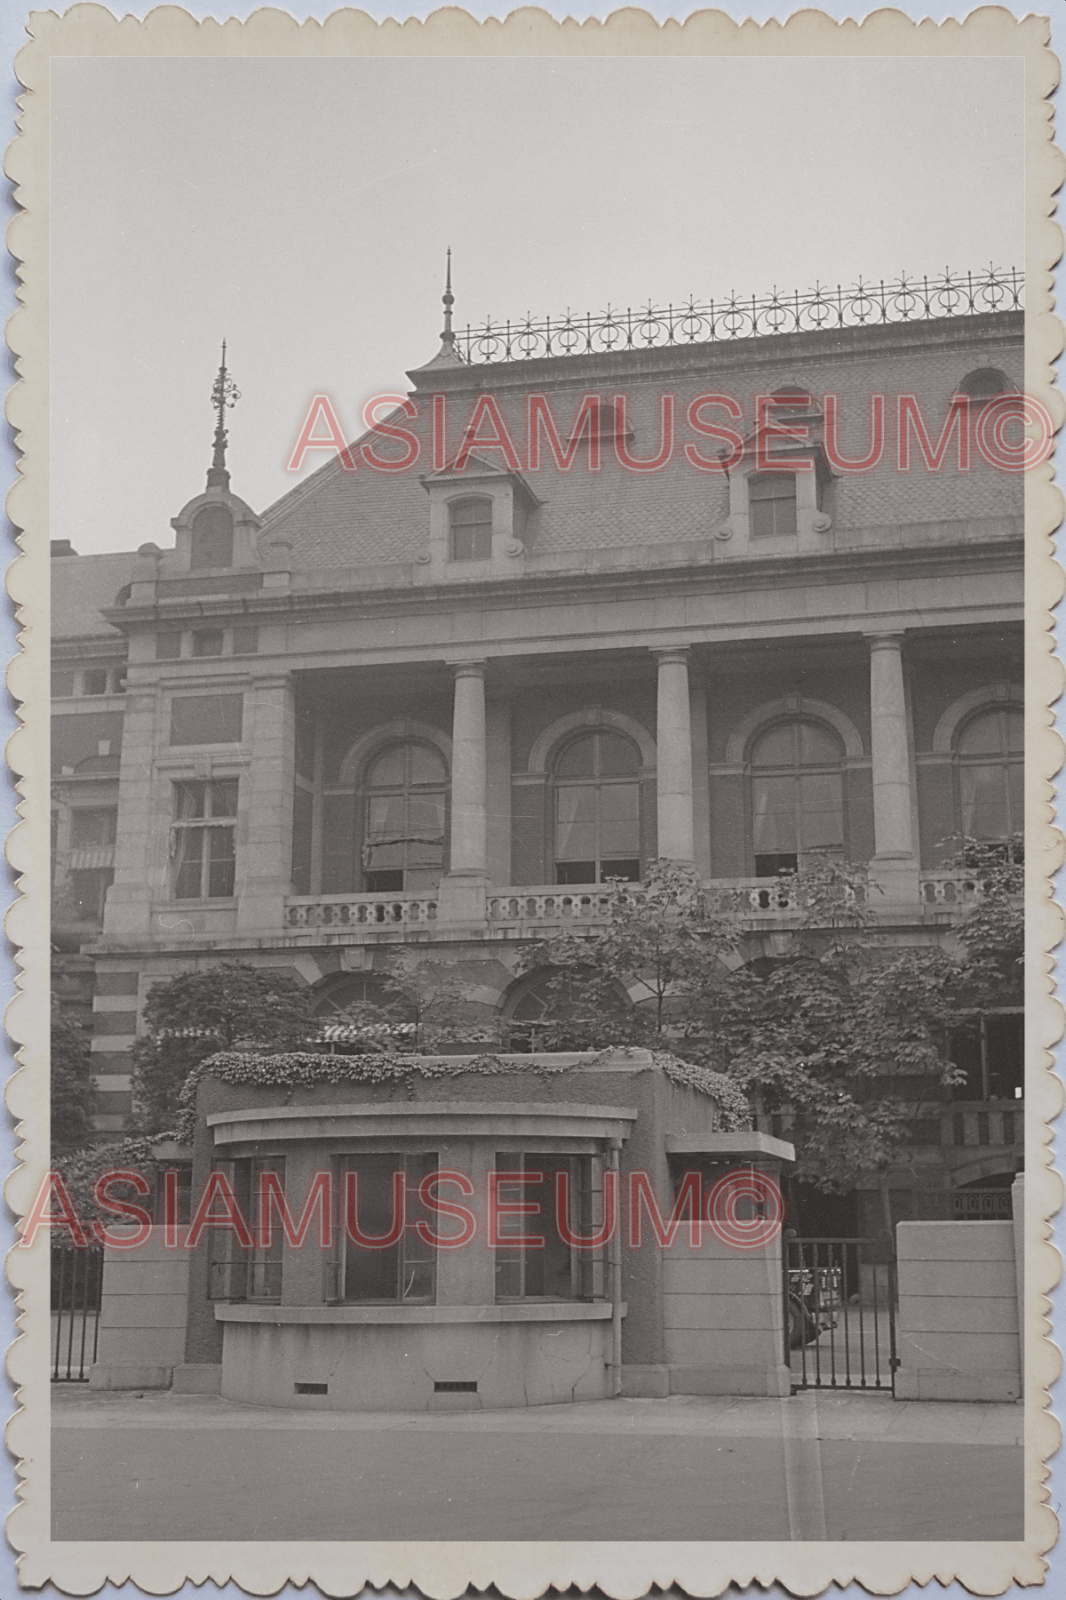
(204, 835)
(797, 796)
(403, 841)
(234, 1272)
(406, 1270)
(772, 503)
(471, 530)
(551, 1271)
(597, 809)
(989, 751)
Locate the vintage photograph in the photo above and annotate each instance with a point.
(538, 790)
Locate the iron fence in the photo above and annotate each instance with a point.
(77, 1279)
(840, 1314)
(903, 299)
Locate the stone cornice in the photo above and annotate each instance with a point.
(761, 572)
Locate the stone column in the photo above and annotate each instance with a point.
(674, 756)
(894, 865)
(264, 843)
(462, 891)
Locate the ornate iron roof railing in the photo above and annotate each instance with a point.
(902, 300)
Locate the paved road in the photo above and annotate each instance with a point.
(815, 1466)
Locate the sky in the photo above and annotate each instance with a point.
(302, 208)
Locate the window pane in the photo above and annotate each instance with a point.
(427, 764)
(93, 826)
(774, 815)
(619, 819)
(207, 642)
(617, 755)
(984, 802)
(223, 797)
(403, 1271)
(1016, 797)
(821, 808)
(89, 886)
(221, 870)
(981, 735)
(771, 486)
(817, 747)
(1015, 728)
(776, 748)
(189, 799)
(575, 834)
(388, 769)
(373, 1274)
(1006, 1062)
(578, 759)
(190, 856)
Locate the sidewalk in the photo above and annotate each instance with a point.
(816, 1466)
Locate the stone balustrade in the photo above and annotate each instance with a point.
(539, 907)
(359, 910)
(949, 889)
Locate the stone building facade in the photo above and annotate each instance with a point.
(429, 705)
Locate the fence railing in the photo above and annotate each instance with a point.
(903, 299)
(77, 1281)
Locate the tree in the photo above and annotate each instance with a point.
(71, 1083)
(837, 1033)
(195, 1014)
(660, 946)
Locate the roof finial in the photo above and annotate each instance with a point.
(448, 337)
(224, 394)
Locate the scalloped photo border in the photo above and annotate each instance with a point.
(520, 1570)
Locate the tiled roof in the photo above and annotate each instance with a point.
(81, 586)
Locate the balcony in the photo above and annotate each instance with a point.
(524, 911)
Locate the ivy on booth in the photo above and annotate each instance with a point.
(304, 1070)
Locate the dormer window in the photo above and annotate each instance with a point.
(985, 384)
(772, 503)
(471, 530)
(212, 538)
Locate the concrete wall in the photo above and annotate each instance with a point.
(723, 1315)
(958, 1312)
(142, 1315)
(370, 1367)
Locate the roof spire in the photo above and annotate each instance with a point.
(224, 394)
(448, 337)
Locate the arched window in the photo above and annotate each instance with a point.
(989, 750)
(404, 793)
(555, 1010)
(364, 1010)
(797, 796)
(212, 538)
(471, 529)
(597, 809)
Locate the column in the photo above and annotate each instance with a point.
(264, 843)
(674, 756)
(498, 791)
(462, 896)
(894, 865)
